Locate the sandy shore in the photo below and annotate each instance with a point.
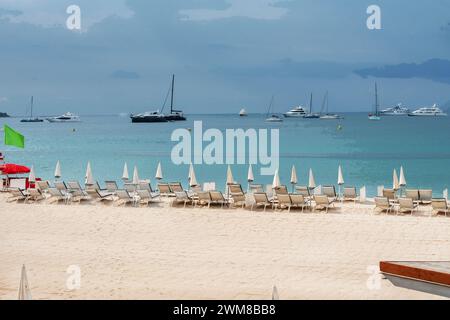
(175, 253)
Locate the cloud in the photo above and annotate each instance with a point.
(435, 69)
(51, 13)
(122, 74)
(253, 9)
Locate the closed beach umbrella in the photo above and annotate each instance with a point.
(32, 176)
(58, 170)
(250, 176)
(192, 179)
(159, 174)
(89, 179)
(125, 175)
(294, 179)
(395, 182)
(340, 177)
(276, 180)
(135, 176)
(24, 288)
(312, 181)
(230, 179)
(402, 181)
(275, 295)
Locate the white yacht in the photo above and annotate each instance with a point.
(66, 117)
(398, 110)
(297, 112)
(433, 111)
(243, 113)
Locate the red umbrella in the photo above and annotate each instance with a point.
(10, 168)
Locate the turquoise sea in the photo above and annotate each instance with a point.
(367, 150)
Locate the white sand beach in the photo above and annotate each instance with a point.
(175, 253)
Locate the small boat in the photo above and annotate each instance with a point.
(311, 115)
(31, 119)
(398, 110)
(433, 111)
(272, 117)
(375, 116)
(327, 115)
(296, 112)
(67, 117)
(148, 117)
(243, 113)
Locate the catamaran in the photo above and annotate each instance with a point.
(433, 111)
(272, 117)
(375, 116)
(31, 119)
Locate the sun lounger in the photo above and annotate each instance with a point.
(203, 198)
(111, 186)
(58, 195)
(35, 195)
(238, 199)
(175, 187)
(298, 201)
(412, 194)
(330, 192)
(383, 204)
(390, 194)
(236, 189)
(425, 196)
(284, 201)
(323, 203)
(164, 190)
(96, 195)
(124, 198)
(218, 198)
(440, 206)
(407, 205)
(144, 197)
(350, 194)
(147, 186)
(17, 195)
(182, 197)
(43, 186)
(256, 188)
(281, 190)
(61, 186)
(129, 187)
(261, 199)
(304, 191)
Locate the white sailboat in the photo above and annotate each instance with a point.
(311, 115)
(272, 117)
(375, 116)
(327, 115)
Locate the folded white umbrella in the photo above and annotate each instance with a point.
(24, 288)
(89, 179)
(135, 176)
(312, 181)
(159, 174)
(402, 181)
(395, 182)
(276, 180)
(250, 176)
(294, 179)
(340, 177)
(192, 179)
(57, 170)
(125, 175)
(230, 179)
(32, 176)
(275, 295)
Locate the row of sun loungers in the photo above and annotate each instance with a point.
(279, 198)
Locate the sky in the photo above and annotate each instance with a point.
(226, 54)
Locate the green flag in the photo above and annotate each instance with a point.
(13, 138)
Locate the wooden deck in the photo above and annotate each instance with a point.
(426, 276)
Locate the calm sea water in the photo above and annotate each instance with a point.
(367, 150)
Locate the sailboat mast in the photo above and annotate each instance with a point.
(32, 99)
(376, 99)
(171, 99)
(310, 103)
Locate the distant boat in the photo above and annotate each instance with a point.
(327, 115)
(66, 117)
(311, 115)
(243, 113)
(272, 117)
(433, 111)
(296, 112)
(375, 116)
(398, 110)
(31, 119)
(157, 116)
